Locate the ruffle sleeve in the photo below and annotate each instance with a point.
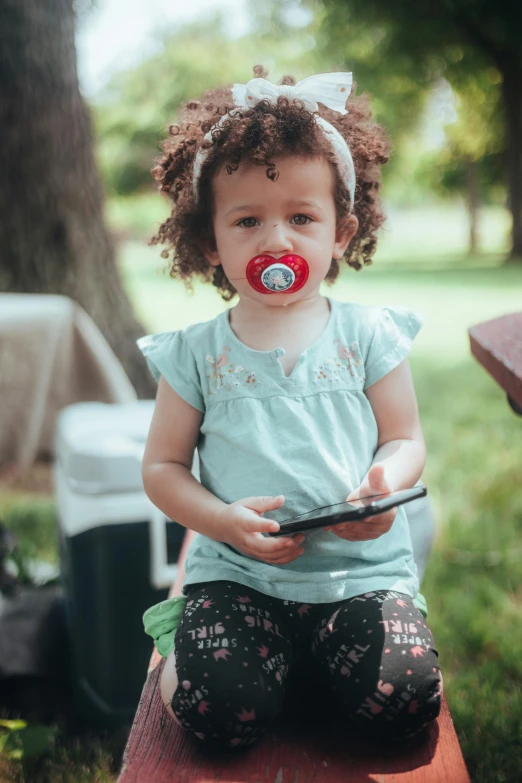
(169, 355)
(395, 330)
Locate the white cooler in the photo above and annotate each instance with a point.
(118, 553)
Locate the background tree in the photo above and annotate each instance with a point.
(398, 98)
(451, 38)
(470, 162)
(52, 232)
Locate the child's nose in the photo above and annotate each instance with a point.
(276, 239)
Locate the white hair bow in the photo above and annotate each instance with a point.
(332, 89)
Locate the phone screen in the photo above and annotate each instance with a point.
(338, 508)
(353, 511)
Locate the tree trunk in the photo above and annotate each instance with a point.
(473, 199)
(52, 233)
(512, 96)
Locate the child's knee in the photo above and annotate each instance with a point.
(225, 713)
(401, 710)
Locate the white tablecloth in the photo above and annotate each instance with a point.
(51, 355)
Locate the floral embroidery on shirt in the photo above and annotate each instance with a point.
(226, 375)
(334, 369)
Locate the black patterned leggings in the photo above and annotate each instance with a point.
(236, 647)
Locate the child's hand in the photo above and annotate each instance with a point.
(374, 483)
(241, 526)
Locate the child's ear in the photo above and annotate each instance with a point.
(211, 253)
(212, 257)
(344, 233)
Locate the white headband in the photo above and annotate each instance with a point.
(332, 89)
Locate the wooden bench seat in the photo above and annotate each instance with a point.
(497, 346)
(298, 749)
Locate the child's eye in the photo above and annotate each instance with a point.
(249, 222)
(301, 220)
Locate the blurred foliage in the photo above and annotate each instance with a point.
(472, 44)
(467, 42)
(135, 109)
(475, 138)
(400, 55)
(32, 519)
(53, 754)
(446, 172)
(18, 741)
(132, 114)
(344, 42)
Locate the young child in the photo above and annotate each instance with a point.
(294, 401)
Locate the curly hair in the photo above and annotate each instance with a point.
(260, 135)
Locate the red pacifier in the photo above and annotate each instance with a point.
(284, 275)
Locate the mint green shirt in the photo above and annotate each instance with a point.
(310, 436)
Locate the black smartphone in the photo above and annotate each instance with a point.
(354, 511)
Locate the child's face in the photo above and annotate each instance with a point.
(295, 214)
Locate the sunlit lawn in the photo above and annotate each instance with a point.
(474, 579)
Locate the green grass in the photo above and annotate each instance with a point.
(89, 758)
(137, 216)
(473, 583)
(33, 521)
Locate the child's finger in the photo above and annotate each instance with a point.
(262, 504)
(362, 531)
(286, 559)
(255, 524)
(377, 480)
(277, 546)
(281, 559)
(376, 475)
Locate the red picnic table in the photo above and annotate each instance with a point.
(497, 345)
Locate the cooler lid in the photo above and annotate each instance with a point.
(99, 446)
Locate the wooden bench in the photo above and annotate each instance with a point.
(497, 345)
(299, 749)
